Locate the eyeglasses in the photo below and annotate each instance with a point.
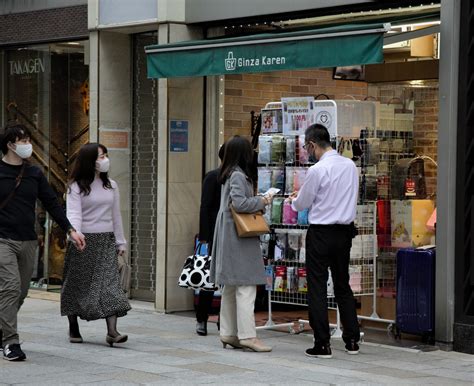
(306, 145)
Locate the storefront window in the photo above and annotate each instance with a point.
(47, 90)
(388, 129)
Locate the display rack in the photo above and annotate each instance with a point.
(284, 168)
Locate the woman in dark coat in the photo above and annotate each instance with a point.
(210, 204)
(237, 263)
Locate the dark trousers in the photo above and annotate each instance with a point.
(330, 246)
(204, 305)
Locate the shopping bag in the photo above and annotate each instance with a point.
(196, 271)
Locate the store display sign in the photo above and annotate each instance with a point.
(298, 114)
(325, 113)
(115, 139)
(267, 52)
(179, 136)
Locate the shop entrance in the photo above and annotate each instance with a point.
(382, 111)
(47, 89)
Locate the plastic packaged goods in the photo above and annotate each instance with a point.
(264, 179)
(265, 244)
(281, 245)
(290, 216)
(269, 277)
(280, 279)
(290, 150)
(272, 121)
(299, 177)
(278, 178)
(294, 245)
(265, 149)
(303, 217)
(291, 280)
(289, 181)
(302, 256)
(303, 157)
(278, 151)
(277, 210)
(302, 280)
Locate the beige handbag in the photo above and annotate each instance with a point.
(249, 224)
(125, 272)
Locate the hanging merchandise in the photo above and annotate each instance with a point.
(302, 258)
(280, 279)
(290, 150)
(372, 151)
(281, 244)
(264, 179)
(272, 121)
(303, 217)
(291, 280)
(408, 179)
(278, 178)
(265, 149)
(326, 114)
(384, 223)
(269, 277)
(303, 156)
(290, 216)
(302, 280)
(290, 178)
(298, 178)
(368, 187)
(278, 151)
(294, 246)
(298, 114)
(277, 210)
(408, 223)
(383, 187)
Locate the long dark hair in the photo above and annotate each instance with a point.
(84, 170)
(238, 153)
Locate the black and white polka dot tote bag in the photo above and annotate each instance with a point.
(196, 272)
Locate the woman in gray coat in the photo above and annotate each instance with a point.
(237, 263)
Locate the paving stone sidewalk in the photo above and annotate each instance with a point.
(163, 349)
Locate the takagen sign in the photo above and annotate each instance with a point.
(232, 63)
(26, 67)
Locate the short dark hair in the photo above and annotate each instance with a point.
(318, 134)
(13, 133)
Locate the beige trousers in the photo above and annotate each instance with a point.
(237, 311)
(16, 267)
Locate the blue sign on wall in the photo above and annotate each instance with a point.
(179, 136)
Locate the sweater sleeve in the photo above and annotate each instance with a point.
(240, 201)
(117, 219)
(50, 202)
(74, 206)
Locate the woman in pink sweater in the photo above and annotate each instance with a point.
(91, 288)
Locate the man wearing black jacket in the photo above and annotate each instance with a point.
(210, 204)
(21, 184)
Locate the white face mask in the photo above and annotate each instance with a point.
(24, 150)
(102, 165)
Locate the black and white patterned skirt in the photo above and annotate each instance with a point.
(91, 287)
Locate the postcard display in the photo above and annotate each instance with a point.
(283, 164)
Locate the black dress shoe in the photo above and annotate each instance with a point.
(201, 328)
(320, 351)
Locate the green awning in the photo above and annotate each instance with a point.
(325, 47)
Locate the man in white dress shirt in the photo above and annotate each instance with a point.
(330, 191)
